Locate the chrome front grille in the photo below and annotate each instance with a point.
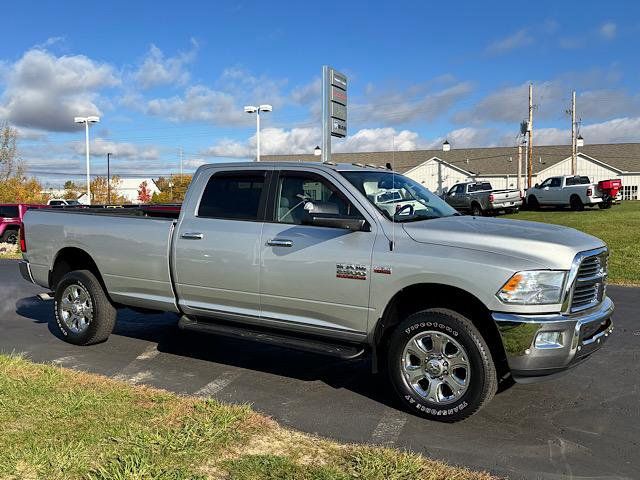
(590, 282)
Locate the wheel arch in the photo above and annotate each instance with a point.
(421, 296)
(69, 259)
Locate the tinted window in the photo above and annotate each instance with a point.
(232, 196)
(555, 182)
(302, 193)
(480, 187)
(9, 211)
(55, 202)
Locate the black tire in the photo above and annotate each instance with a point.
(476, 210)
(10, 236)
(575, 203)
(103, 313)
(532, 203)
(605, 205)
(483, 378)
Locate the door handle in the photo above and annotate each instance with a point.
(279, 242)
(192, 236)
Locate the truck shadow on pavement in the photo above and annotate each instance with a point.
(354, 375)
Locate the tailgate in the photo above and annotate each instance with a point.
(506, 198)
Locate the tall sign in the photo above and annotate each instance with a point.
(334, 108)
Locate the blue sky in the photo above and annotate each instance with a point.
(166, 76)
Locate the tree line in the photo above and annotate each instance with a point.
(17, 187)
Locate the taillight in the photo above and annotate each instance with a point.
(589, 192)
(491, 197)
(23, 241)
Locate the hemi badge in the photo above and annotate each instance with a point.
(382, 269)
(352, 271)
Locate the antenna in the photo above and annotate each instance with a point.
(393, 186)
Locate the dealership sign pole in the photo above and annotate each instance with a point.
(334, 108)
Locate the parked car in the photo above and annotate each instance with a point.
(575, 191)
(479, 198)
(303, 256)
(63, 202)
(11, 215)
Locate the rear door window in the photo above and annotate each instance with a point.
(9, 211)
(234, 196)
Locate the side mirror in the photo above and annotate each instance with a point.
(338, 221)
(445, 191)
(537, 185)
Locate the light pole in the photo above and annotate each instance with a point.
(87, 121)
(257, 110)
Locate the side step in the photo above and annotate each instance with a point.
(345, 351)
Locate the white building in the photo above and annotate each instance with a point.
(129, 187)
(439, 170)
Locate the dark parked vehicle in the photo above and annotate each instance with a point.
(479, 198)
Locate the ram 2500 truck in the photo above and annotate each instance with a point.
(302, 255)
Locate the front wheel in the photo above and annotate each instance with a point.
(440, 365)
(83, 313)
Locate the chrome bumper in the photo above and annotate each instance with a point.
(25, 271)
(581, 334)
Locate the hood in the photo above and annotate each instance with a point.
(551, 246)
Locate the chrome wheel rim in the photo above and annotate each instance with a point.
(436, 367)
(76, 308)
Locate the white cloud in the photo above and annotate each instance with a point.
(199, 104)
(608, 30)
(393, 108)
(45, 92)
(157, 69)
(466, 137)
(100, 147)
(519, 39)
(379, 140)
(307, 94)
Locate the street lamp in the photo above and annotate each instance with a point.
(580, 141)
(87, 121)
(317, 151)
(257, 110)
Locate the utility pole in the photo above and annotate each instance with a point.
(109, 177)
(530, 143)
(574, 159)
(519, 166)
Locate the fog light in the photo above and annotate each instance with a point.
(549, 340)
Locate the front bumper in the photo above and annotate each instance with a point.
(582, 334)
(25, 271)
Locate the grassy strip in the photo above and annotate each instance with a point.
(9, 250)
(62, 424)
(619, 227)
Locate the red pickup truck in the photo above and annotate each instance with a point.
(11, 215)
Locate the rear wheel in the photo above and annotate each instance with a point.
(83, 313)
(575, 203)
(440, 365)
(9, 236)
(476, 210)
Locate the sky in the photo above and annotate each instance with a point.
(171, 77)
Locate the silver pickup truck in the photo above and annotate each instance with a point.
(316, 257)
(479, 198)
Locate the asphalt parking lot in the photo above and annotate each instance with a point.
(585, 424)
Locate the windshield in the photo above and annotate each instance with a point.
(399, 198)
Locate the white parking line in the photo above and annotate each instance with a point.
(219, 384)
(388, 429)
(134, 372)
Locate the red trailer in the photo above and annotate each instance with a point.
(609, 189)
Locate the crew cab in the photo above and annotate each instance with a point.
(10, 220)
(479, 198)
(63, 202)
(315, 257)
(575, 191)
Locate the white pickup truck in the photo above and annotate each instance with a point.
(565, 191)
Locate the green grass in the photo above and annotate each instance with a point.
(618, 226)
(62, 424)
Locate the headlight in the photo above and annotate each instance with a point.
(534, 287)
